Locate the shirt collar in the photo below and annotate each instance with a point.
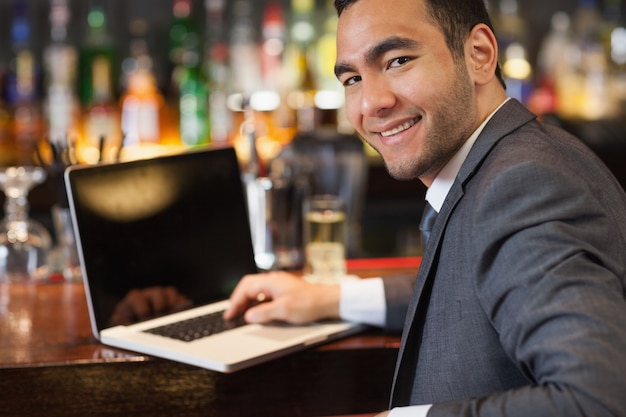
(438, 191)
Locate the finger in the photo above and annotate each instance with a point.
(174, 300)
(259, 288)
(244, 295)
(139, 305)
(157, 299)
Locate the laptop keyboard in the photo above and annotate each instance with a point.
(197, 327)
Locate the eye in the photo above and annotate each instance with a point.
(398, 62)
(351, 81)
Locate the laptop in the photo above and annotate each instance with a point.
(171, 236)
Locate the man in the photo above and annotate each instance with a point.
(519, 305)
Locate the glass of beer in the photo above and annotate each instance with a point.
(324, 234)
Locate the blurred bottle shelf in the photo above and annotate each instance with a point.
(179, 72)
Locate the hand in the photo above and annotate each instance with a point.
(385, 414)
(284, 297)
(146, 303)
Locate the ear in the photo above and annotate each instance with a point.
(481, 51)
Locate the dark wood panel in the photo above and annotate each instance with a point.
(310, 383)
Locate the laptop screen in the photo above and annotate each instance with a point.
(176, 222)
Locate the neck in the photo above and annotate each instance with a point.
(488, 98)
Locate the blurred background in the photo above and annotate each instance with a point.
(88, 81)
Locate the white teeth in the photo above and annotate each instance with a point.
(398, 129)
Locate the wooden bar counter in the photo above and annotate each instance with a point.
(51, 365)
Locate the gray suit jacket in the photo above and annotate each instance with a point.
(519, 305)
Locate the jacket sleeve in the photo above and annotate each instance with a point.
(549, 273)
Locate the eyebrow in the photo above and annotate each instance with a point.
(373, 54)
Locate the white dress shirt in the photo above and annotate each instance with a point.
(363, 300)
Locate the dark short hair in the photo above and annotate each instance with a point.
(456, 18)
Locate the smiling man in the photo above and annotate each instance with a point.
(418, 104)
(518, 308)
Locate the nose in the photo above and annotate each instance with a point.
(377, 97)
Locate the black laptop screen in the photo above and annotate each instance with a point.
(176, 224)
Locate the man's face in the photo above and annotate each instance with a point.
(405, 95)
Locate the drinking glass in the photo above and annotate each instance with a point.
(324, 233)
(24, 243)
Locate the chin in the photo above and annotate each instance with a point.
(402, 176)
(400, 171)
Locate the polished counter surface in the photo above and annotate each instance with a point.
(51, 364)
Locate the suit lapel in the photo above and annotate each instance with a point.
(416, 312)
(508, 118)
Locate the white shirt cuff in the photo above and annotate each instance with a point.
(363, 301)
(412, 411)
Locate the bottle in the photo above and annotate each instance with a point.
(61, 107)
(101, 134)
(275, 121)
(594, 100)
(21, 88)
(299, 63)
(509, 24)
(513, 41)
(244, 52)
(329, 98)
(273, 42)
(188, 85)
(245, 75)
(7, 146)
(587, 21)
(193, 107)
(97, 50)
(142, 105)
(614, 40)
(217, 71)
(183, 40)
(553, 70)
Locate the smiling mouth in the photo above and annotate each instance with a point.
(400, 128)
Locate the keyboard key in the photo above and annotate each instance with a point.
(197, 327)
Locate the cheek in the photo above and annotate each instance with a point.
(421, 93)
(353, 111)
(425, 82)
